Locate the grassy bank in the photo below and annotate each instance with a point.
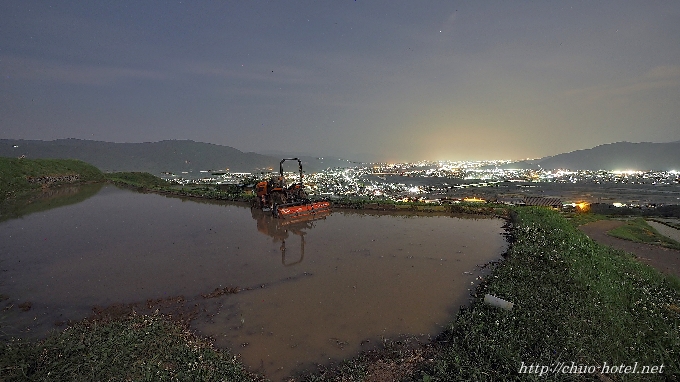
(142, 180)
(576, 301)
(137, 348)
(21, 176)
(581, 218)
(639, 231)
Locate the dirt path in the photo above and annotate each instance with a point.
(663, 259)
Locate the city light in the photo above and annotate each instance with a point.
(452, 181)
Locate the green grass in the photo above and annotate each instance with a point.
(137, 348)
(144, 181)
(639, 231)
(581, 218)
(16, 173)
(386, 204)
(210, 191)
(137, 179)
(576, 301)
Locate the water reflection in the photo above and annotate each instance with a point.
(47, 199)
(357, 277)
(279, 230)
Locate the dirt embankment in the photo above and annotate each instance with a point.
(663, 259)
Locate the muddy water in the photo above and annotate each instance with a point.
(310, 292)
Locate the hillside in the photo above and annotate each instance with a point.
(174, 156)
(613, 156)
(18, 176)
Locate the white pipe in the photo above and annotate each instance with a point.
(498, 302)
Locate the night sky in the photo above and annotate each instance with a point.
(394, 80)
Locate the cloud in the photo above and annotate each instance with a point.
(276, 74)
(657, 78)
(64, 73)
(664, 72)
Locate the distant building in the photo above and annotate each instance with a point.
(543, 202)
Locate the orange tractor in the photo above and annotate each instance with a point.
(286, 201)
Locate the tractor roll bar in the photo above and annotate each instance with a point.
(299, 166)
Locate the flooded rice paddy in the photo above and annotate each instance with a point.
(283, 296)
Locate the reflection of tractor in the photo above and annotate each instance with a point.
(280, 229)
(286, 201)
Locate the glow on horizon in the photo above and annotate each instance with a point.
(447, 81)
(626, 172)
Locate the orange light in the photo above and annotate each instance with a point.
(474, 200)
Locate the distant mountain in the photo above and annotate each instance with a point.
(330, 159)
(174, 156)
(314, 161)
(613, 156)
